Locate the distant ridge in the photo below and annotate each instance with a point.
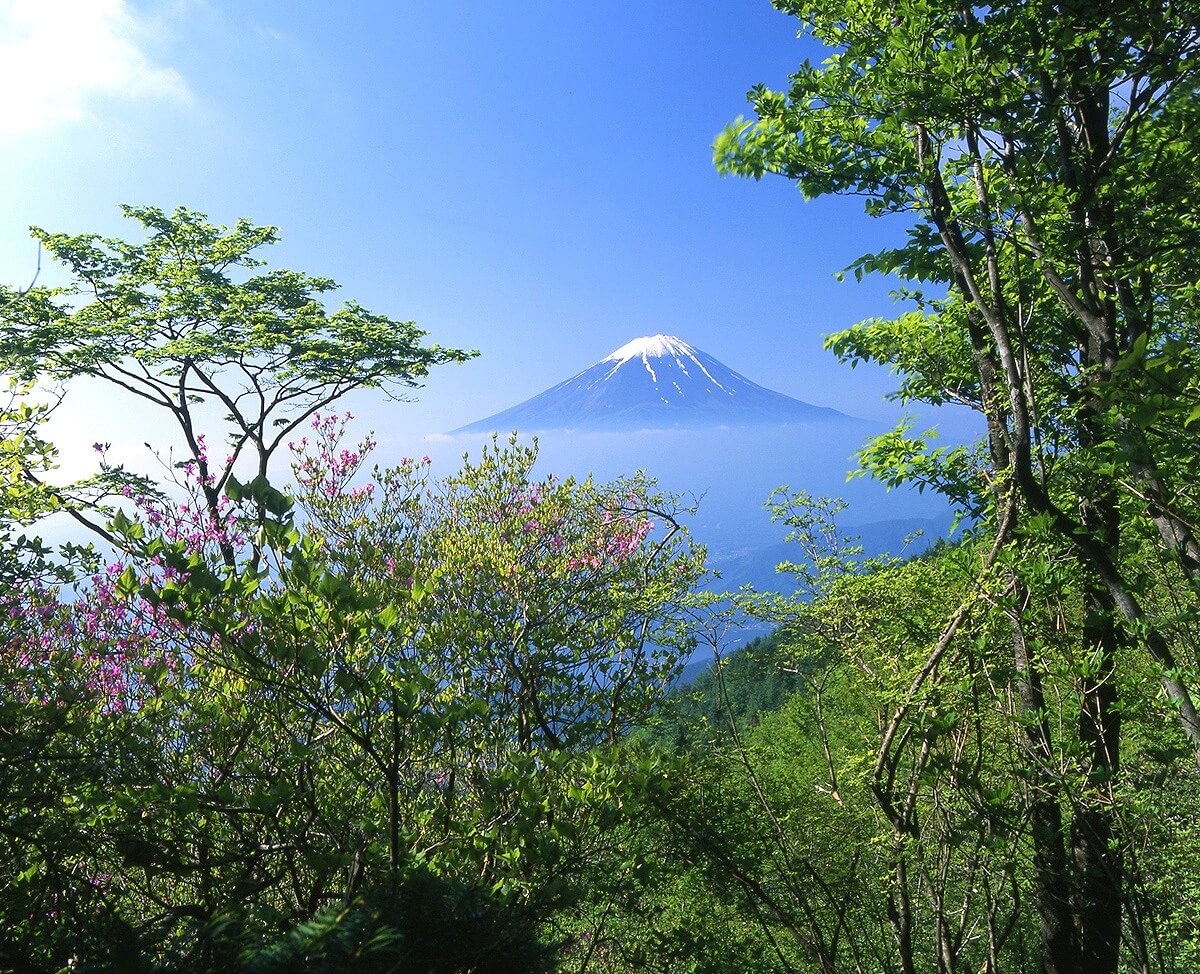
(655, 382)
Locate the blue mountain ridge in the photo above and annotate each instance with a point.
(654, 382)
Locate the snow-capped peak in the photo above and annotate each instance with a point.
(654, 382)
(658, 347)
(651, 346)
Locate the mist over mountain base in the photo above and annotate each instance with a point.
(728, 473)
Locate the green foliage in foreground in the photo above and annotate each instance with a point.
(792, 826)
(369, 723)
(383, 735)
(335, 755)
(1041, 157)
(341, 726)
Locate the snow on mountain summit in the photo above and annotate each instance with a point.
(647, 346)
(659, 347)
(654, 382)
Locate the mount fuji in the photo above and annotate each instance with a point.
(657, 382)
(711, 436)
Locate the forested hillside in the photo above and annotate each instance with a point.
(731, 694)
(280, 710)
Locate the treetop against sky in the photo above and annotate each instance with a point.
(532, 181)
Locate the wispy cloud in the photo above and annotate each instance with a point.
(59, 57)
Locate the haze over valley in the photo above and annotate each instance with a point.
(660, 405)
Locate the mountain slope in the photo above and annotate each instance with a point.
(655, 382)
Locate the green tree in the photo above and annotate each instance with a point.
(530, 624)
(393, 717)
(740, 688)
(25, 459)
(1041, 153)
(184, 321)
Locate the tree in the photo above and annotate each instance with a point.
(25, 458)
(182, 321)
(528, 625)
(391, 717)
(1042, 153)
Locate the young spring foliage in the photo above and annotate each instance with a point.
(1042, 156)
(411, 690)
(189, 322)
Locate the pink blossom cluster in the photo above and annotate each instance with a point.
(194, 524)
(620, 538)
(324, 467)
(197, 470)
(110, 644)
(100, 648)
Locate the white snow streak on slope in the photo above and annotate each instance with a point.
(660, 346)
(709, 374)
(649, 368)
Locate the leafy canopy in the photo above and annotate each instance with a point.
(187, 318)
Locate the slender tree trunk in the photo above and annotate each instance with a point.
(1058, 944)
(1095, 845)
(900, 912)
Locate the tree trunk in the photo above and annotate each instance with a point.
(1058, 944)
(1095, 846)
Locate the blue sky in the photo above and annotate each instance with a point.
(531, 179)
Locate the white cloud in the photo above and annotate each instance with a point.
(58, 57)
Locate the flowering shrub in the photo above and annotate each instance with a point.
(102, 649)
(553, 601)
(298, 698)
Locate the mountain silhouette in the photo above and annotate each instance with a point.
(654, 382)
